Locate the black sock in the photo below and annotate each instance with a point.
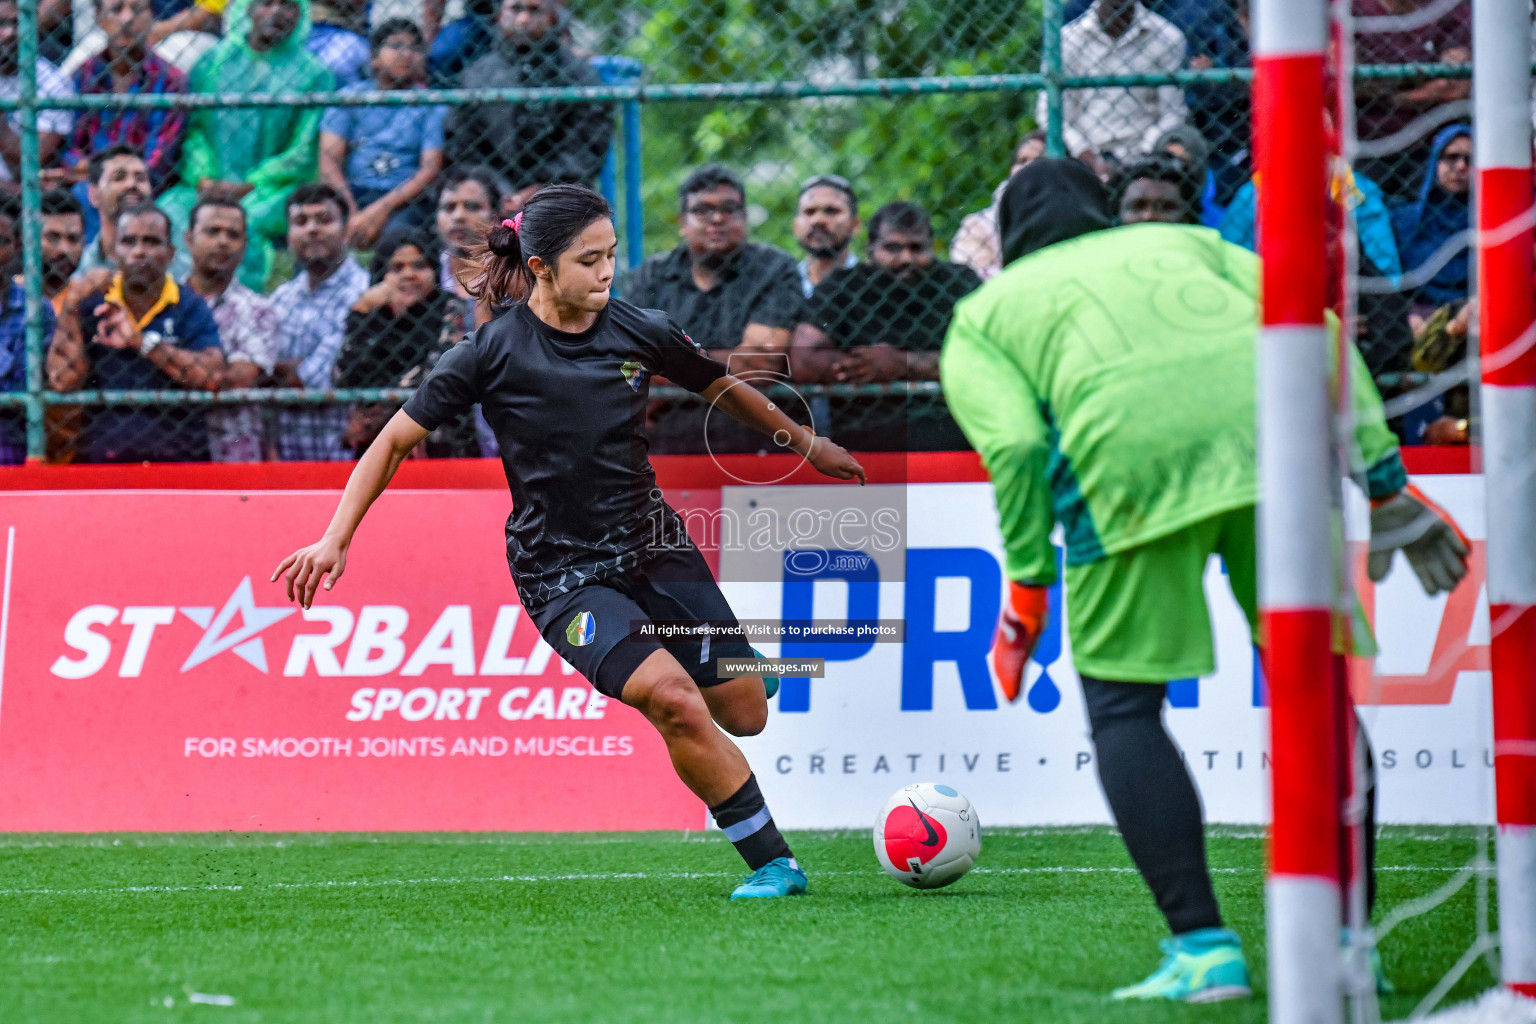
(1369, 825)
(1153, 799)
(747, 824)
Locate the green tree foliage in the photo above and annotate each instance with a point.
(944, 151)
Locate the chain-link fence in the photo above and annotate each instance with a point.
(316, 168)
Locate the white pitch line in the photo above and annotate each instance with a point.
(195, 840)
(598, 876)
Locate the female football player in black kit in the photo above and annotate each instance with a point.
(563, 379)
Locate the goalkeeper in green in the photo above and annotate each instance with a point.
(1108, 379)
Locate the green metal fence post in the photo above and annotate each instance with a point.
(31, 228)
(1050, 50)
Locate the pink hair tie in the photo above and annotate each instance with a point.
(514, 223)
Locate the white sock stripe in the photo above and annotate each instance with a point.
(739, 831)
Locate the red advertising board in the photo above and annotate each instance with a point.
(152, 678)
(155, 680)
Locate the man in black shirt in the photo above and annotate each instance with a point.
(732, 296)
(885, 320)
(738, 299)
(531, 144)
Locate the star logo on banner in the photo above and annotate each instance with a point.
(243, 641)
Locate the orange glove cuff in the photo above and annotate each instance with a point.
(1029, 605)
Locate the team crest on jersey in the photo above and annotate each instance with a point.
(634, 374)
(582, 630)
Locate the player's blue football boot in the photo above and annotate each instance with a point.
(1204, 966)
(779, 877)
(770, 683)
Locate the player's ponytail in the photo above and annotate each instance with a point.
(548, 224)
(505, 276)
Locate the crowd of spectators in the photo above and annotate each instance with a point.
(162, 229)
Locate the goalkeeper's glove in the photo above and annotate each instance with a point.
(1018, 630)
(1427, 535)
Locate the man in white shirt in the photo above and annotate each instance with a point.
(313, 310)
(249, 329)
(52, 125)
(1119, 37)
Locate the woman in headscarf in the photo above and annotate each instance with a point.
(256, 153)
(1442, 214)
(396, 333)
(1433, 235)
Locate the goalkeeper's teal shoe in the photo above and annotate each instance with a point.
(779, 877)
(1384, 986)
(770, 683)
(1204, 966)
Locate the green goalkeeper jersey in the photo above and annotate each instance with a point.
(1109, 384)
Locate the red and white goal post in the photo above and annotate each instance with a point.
(1297, 472)
(1506, 317)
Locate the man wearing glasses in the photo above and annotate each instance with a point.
(738, 299)
(383, 158)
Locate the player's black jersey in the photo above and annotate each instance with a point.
(568, 412)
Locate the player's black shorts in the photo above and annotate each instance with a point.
(671, 585)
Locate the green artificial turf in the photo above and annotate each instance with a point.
(474, 928)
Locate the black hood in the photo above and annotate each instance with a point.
(1047, 202)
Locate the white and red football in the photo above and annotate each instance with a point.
(927, 835)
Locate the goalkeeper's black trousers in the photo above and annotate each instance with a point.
(1155, 804)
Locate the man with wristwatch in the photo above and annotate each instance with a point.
(142, 332)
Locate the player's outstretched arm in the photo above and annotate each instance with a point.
(994, 403)
(327, 557)
(748, 405)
